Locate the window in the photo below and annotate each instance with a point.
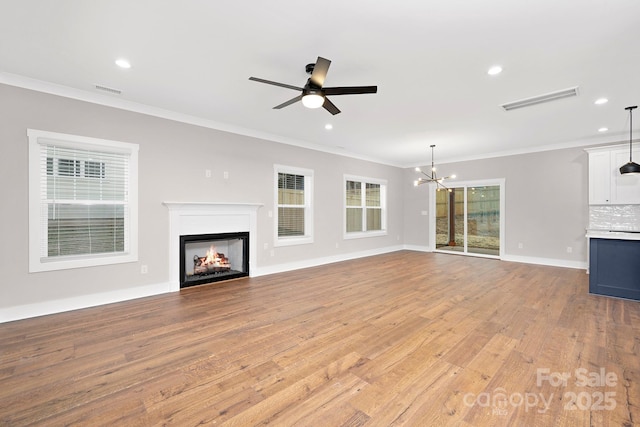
(72, 167)
(82, 201)
(365, 207)
(67, 167)
(294, 217)
(94, 169)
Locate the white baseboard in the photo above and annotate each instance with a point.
(580, 265)
(10, 314)
(26, 311)
(281, 268)
(417, 248)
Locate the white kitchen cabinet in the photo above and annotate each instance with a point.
(599, 178)
(606, 184)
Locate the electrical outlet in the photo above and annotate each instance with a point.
(225, 175)
(569, 249)
(207, 173)
(144, 269)
(520, 246)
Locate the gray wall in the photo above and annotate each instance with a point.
(546, 203)
(172, 162)
(546, 195)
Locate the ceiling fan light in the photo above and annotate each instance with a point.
(630, 168)
(313, 100)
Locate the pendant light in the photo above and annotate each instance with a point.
(631, 167)
(432, 177)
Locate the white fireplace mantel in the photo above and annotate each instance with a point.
(187, 218)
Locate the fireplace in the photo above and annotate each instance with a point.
(207, 258)
(206, 218)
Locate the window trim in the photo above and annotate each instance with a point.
(383, 206)
(308, 212)
(37, 138)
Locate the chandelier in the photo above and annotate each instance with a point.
(432, 177)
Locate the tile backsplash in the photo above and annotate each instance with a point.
(614, 217)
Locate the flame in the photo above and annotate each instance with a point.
(214, 258)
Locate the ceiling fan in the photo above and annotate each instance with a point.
(313, 94)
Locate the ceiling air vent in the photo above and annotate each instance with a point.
(108, 89)
(540, 99)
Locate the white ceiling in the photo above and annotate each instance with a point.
(429, 59)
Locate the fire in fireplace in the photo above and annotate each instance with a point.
(206, 258)
(213, 262)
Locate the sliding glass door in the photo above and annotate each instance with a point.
(469, 218)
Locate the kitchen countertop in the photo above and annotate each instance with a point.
(611, 234)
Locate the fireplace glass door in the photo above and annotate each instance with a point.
(206, 258)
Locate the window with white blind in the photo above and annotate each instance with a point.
(82, 201)
(365, 212)
(294, 215)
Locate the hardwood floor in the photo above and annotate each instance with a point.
(406, 338)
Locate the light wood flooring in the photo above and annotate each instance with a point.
(407, 338)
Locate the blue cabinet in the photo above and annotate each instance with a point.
(614, 268)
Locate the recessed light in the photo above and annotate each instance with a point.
(601, 101)
(328, 126)
(123, 63)
(496, 69)
(603, 129)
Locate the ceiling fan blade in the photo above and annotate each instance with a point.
(350, 90)
(289, 102)
(269, 82)
(320, 71)
(330, 107)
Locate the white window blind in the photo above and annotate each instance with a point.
(294, 219)
(85, 201)
(85, 196)
(291, 204)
